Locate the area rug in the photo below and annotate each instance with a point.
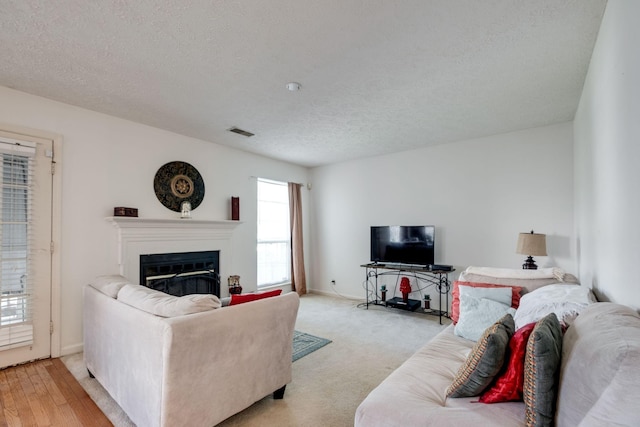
(304, 344)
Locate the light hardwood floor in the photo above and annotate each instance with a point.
(44, 393)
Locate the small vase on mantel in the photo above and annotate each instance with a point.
(185, 210)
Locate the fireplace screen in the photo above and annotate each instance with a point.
(182, 273)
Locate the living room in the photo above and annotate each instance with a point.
(573, 179)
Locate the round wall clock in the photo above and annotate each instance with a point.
(178, 182)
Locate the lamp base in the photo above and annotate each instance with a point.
(529, 264)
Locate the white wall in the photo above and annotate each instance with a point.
(111, 162)
(478, 193)
(607, 134)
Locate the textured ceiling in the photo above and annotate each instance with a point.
(377, 76)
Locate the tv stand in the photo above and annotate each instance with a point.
(424, 275)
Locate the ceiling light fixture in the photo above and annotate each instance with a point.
(293, 86)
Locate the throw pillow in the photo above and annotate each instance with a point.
(541, 366)
(455, 296)
(484, 361)
(510, 382)
(566, 301)
(242, 298)
(477, 314)
(109, 285)
(165, 305)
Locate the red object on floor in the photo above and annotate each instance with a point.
(405, 288)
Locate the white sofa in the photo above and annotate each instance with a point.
(195, 369)
(599, 383)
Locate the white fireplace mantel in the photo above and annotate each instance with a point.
(144, 236)
(183, 224)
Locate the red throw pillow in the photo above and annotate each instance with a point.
(508, 385)
(242, 298)
(455, 296)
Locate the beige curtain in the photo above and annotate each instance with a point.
(298, 279)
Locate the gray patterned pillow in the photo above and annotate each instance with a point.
(485, 360)
(541, 368)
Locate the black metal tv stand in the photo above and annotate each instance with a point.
(439, 279)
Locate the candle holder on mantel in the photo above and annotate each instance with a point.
(234, 285)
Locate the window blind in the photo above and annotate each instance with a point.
(16, 288)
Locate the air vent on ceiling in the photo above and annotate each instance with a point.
(240, 132)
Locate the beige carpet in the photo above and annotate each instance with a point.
(328, 384)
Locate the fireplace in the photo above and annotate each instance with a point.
(182, 273)
(135, 237)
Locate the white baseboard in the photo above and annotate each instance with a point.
(334, 294)
(72, 349)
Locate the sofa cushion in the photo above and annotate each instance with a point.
(485, 360)
(541, 366)
(566, 301)
(455, 296)
(109, 285)
(165, 305)
(414, 394)
(510, 382)
(477, 314)
(242, 298)
(599, 376)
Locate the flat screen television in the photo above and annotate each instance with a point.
(403, 244)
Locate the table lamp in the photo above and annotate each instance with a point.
(531, 244)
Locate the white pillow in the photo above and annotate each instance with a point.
(165, 305)
(109, 285)
(566, 301)
(501, 294)
(477, 314)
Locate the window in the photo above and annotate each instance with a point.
(16, 163)
(274, 235)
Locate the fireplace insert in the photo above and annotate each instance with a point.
(182, 273)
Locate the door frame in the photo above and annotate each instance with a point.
(56, 225)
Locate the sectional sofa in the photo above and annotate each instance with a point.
(598, 381)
